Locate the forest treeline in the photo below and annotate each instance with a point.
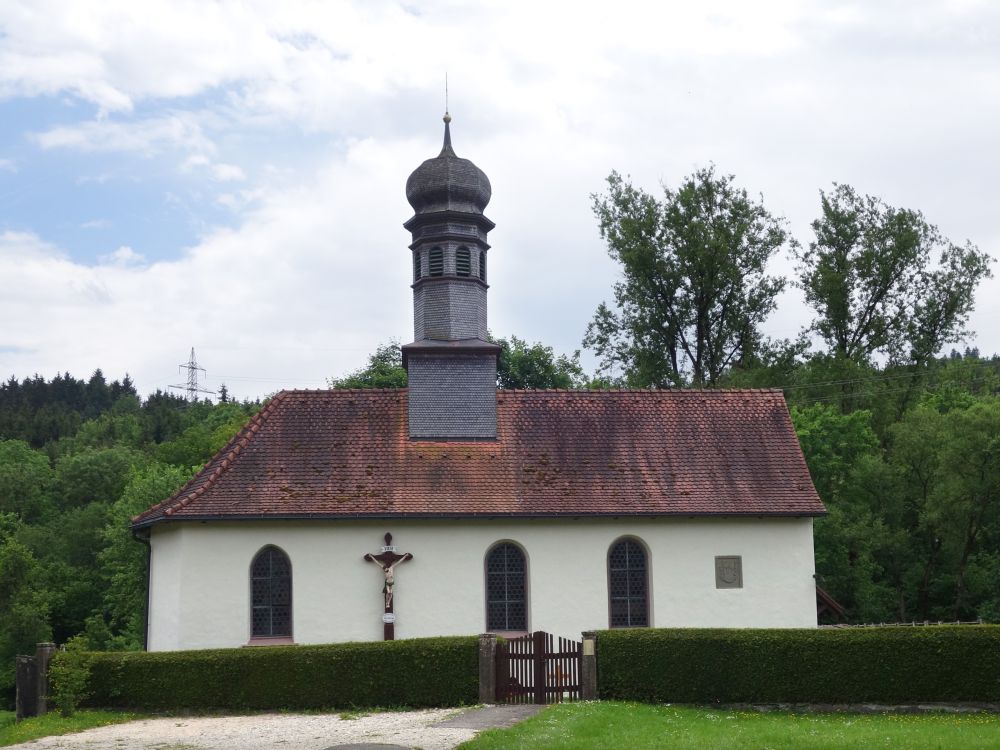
(902, 441)
(79, 459)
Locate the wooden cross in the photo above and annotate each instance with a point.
(387, 560)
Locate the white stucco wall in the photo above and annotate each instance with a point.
(200, 576)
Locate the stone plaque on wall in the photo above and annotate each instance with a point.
(729, 572)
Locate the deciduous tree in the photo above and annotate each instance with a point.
(695, 289)
(25, 480)
(521, 365)
(524, 365)
(384, 370)
(883, 281)
(123, 560)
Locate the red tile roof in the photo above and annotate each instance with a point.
(347, 454)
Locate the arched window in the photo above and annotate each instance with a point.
(482, 265)
(416, 266)
(435, 262)
(506, 575)
(628, 582)
(463, 262)
(271, 594)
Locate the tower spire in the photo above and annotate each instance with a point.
(446, 149)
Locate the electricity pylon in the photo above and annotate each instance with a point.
(192, 387)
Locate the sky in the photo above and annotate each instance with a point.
(229, 176)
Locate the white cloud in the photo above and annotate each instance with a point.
(217, 171)
(317, 112)
(274, 303)
(27, 244)
(194, 161)
(240, 199)
(7, 165)
(144, 137)
(227, 173)
(116, 53)
(123, 257)
(96, 224)
(321, 65)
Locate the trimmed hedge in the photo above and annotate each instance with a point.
(417, 672)
(884, 665)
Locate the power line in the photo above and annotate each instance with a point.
(873, 378)
(799, 386)
(978, 378)
(271, 380)
(888, 390)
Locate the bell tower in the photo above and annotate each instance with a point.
(451, 367)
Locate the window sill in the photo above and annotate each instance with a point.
(510, 634)
(281, 640)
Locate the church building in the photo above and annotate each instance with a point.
(451, 507)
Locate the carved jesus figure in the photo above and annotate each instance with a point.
(388, 560)
(389, 581)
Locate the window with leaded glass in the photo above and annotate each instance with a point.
(271, 594)
(627, 585)
(506, 574)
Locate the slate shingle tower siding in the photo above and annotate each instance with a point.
(451, 365)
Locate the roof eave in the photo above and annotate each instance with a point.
(204, 518)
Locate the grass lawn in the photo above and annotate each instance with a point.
(44, 726)
(636, 726)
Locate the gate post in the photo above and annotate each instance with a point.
(26, 681)
(538, 657)
(43, 655)
(487, 668)
(588, 667)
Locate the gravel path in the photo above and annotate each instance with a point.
(403, 729)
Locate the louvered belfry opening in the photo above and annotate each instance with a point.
(463, 262)
(451, 364)
(435, 263)
(506, 574)
(271, 594)
(627, 585)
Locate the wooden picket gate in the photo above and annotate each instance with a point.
(538, 668)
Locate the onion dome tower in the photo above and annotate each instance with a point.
(451, 367)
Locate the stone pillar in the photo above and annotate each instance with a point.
(488, 668)
(43, 655)
(588, 667)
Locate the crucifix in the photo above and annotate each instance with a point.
(388, 559)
